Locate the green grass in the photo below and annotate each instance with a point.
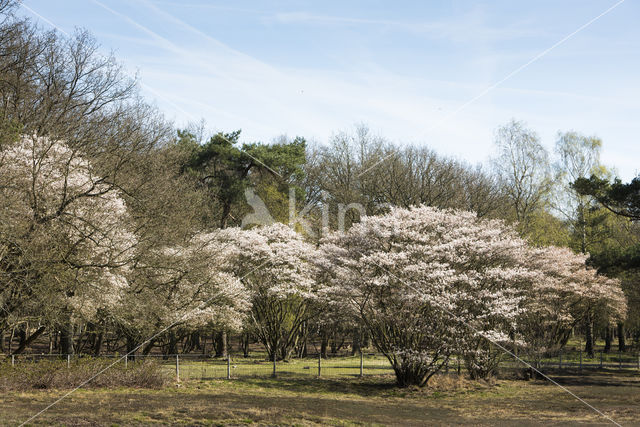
(194, 368)
(349, 367)
(191, 368)
(292, 399)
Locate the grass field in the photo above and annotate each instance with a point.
(299, 400)
(258, 366)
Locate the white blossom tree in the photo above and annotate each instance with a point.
(273, 262)
(562, 294)
(427, 283)
(187, 288)
(65, 236)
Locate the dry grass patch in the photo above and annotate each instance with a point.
(55, 374)
(343, 402)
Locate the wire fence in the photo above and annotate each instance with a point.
(184, 367)
(200, 367)
(599, 360)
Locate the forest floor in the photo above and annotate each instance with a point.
(345, 401)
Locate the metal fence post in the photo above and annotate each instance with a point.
(601, 352)
(68, 361)
(560, 360)
(619, 359)
(13, 360)
(228, 366)
(319, 364)
(177, 368)
(361, 364)
(580, 359)
(126, 361)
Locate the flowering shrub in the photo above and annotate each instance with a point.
(426, 283)
(561, 294)
(65, 237)
(188, 285)
(429, 283)
(274, 265)
(422, 279)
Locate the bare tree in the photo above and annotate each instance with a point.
(74, 133)
(370, 171)
(523, 169)
(579, 157)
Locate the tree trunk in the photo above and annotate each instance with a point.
(622, 345)
(356, 345)
(52, 342)
(66, 338)
(221, 344)
(148, 347)
(172, 348)
(411, 375)
(22, 336)
(588, 345)
(13, 332)
(131, 348)
(607, 339)
(79, 334)
(301, 346)
(323, 346)
(25, 343)
(226, 210)
(245, 344)
(192, 343)
(334, 344)
(97, 344)
(365, 339)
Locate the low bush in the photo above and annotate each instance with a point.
(54, 374)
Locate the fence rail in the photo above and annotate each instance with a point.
(202, 367)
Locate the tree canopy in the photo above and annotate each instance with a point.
(620, 198)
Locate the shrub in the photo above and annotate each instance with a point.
(54, 374)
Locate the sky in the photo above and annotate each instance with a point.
(440, 74)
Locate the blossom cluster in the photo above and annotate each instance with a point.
(431, 282)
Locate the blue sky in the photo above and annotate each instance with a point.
(403, 68)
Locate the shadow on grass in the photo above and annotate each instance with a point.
(272, 408)
(367, 386)
(294, 399)
(593, 378)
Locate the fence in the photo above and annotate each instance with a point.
(601, 360)
(240, 367)
(194, 366)
(199, 367)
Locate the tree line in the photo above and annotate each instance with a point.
(115, 225)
